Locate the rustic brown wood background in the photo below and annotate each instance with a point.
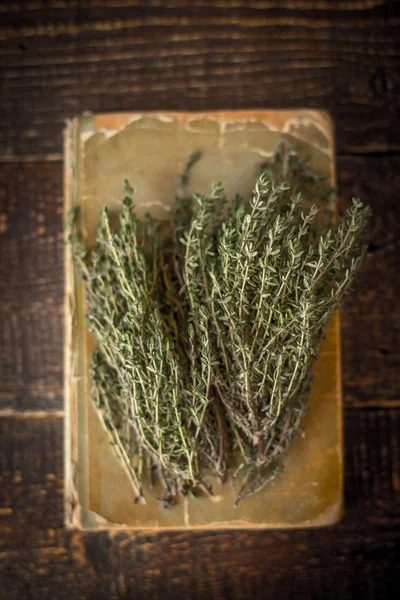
(60, 58)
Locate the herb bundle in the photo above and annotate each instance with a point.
(207, 326)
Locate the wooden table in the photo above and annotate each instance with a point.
(129, 55)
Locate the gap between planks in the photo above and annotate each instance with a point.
(371, 404)
(32, 414)
(31, 158)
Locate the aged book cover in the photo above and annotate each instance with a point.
(150, 149)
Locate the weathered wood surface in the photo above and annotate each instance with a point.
(60, 58)
(356, 558)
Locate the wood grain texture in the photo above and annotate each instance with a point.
(371, 314)
(31, 275)
(152, 55)
(61, 57)
(39, 558)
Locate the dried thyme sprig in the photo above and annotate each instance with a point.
(145, 392)
(206, 327)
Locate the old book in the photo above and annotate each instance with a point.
(150, 149)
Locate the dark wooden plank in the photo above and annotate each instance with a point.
(62, 58)
(372, 466)
(40, 559)
(31, 477)
(31, 276)
(371, 315)
(227, 566)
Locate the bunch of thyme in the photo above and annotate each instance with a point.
(207, 326)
